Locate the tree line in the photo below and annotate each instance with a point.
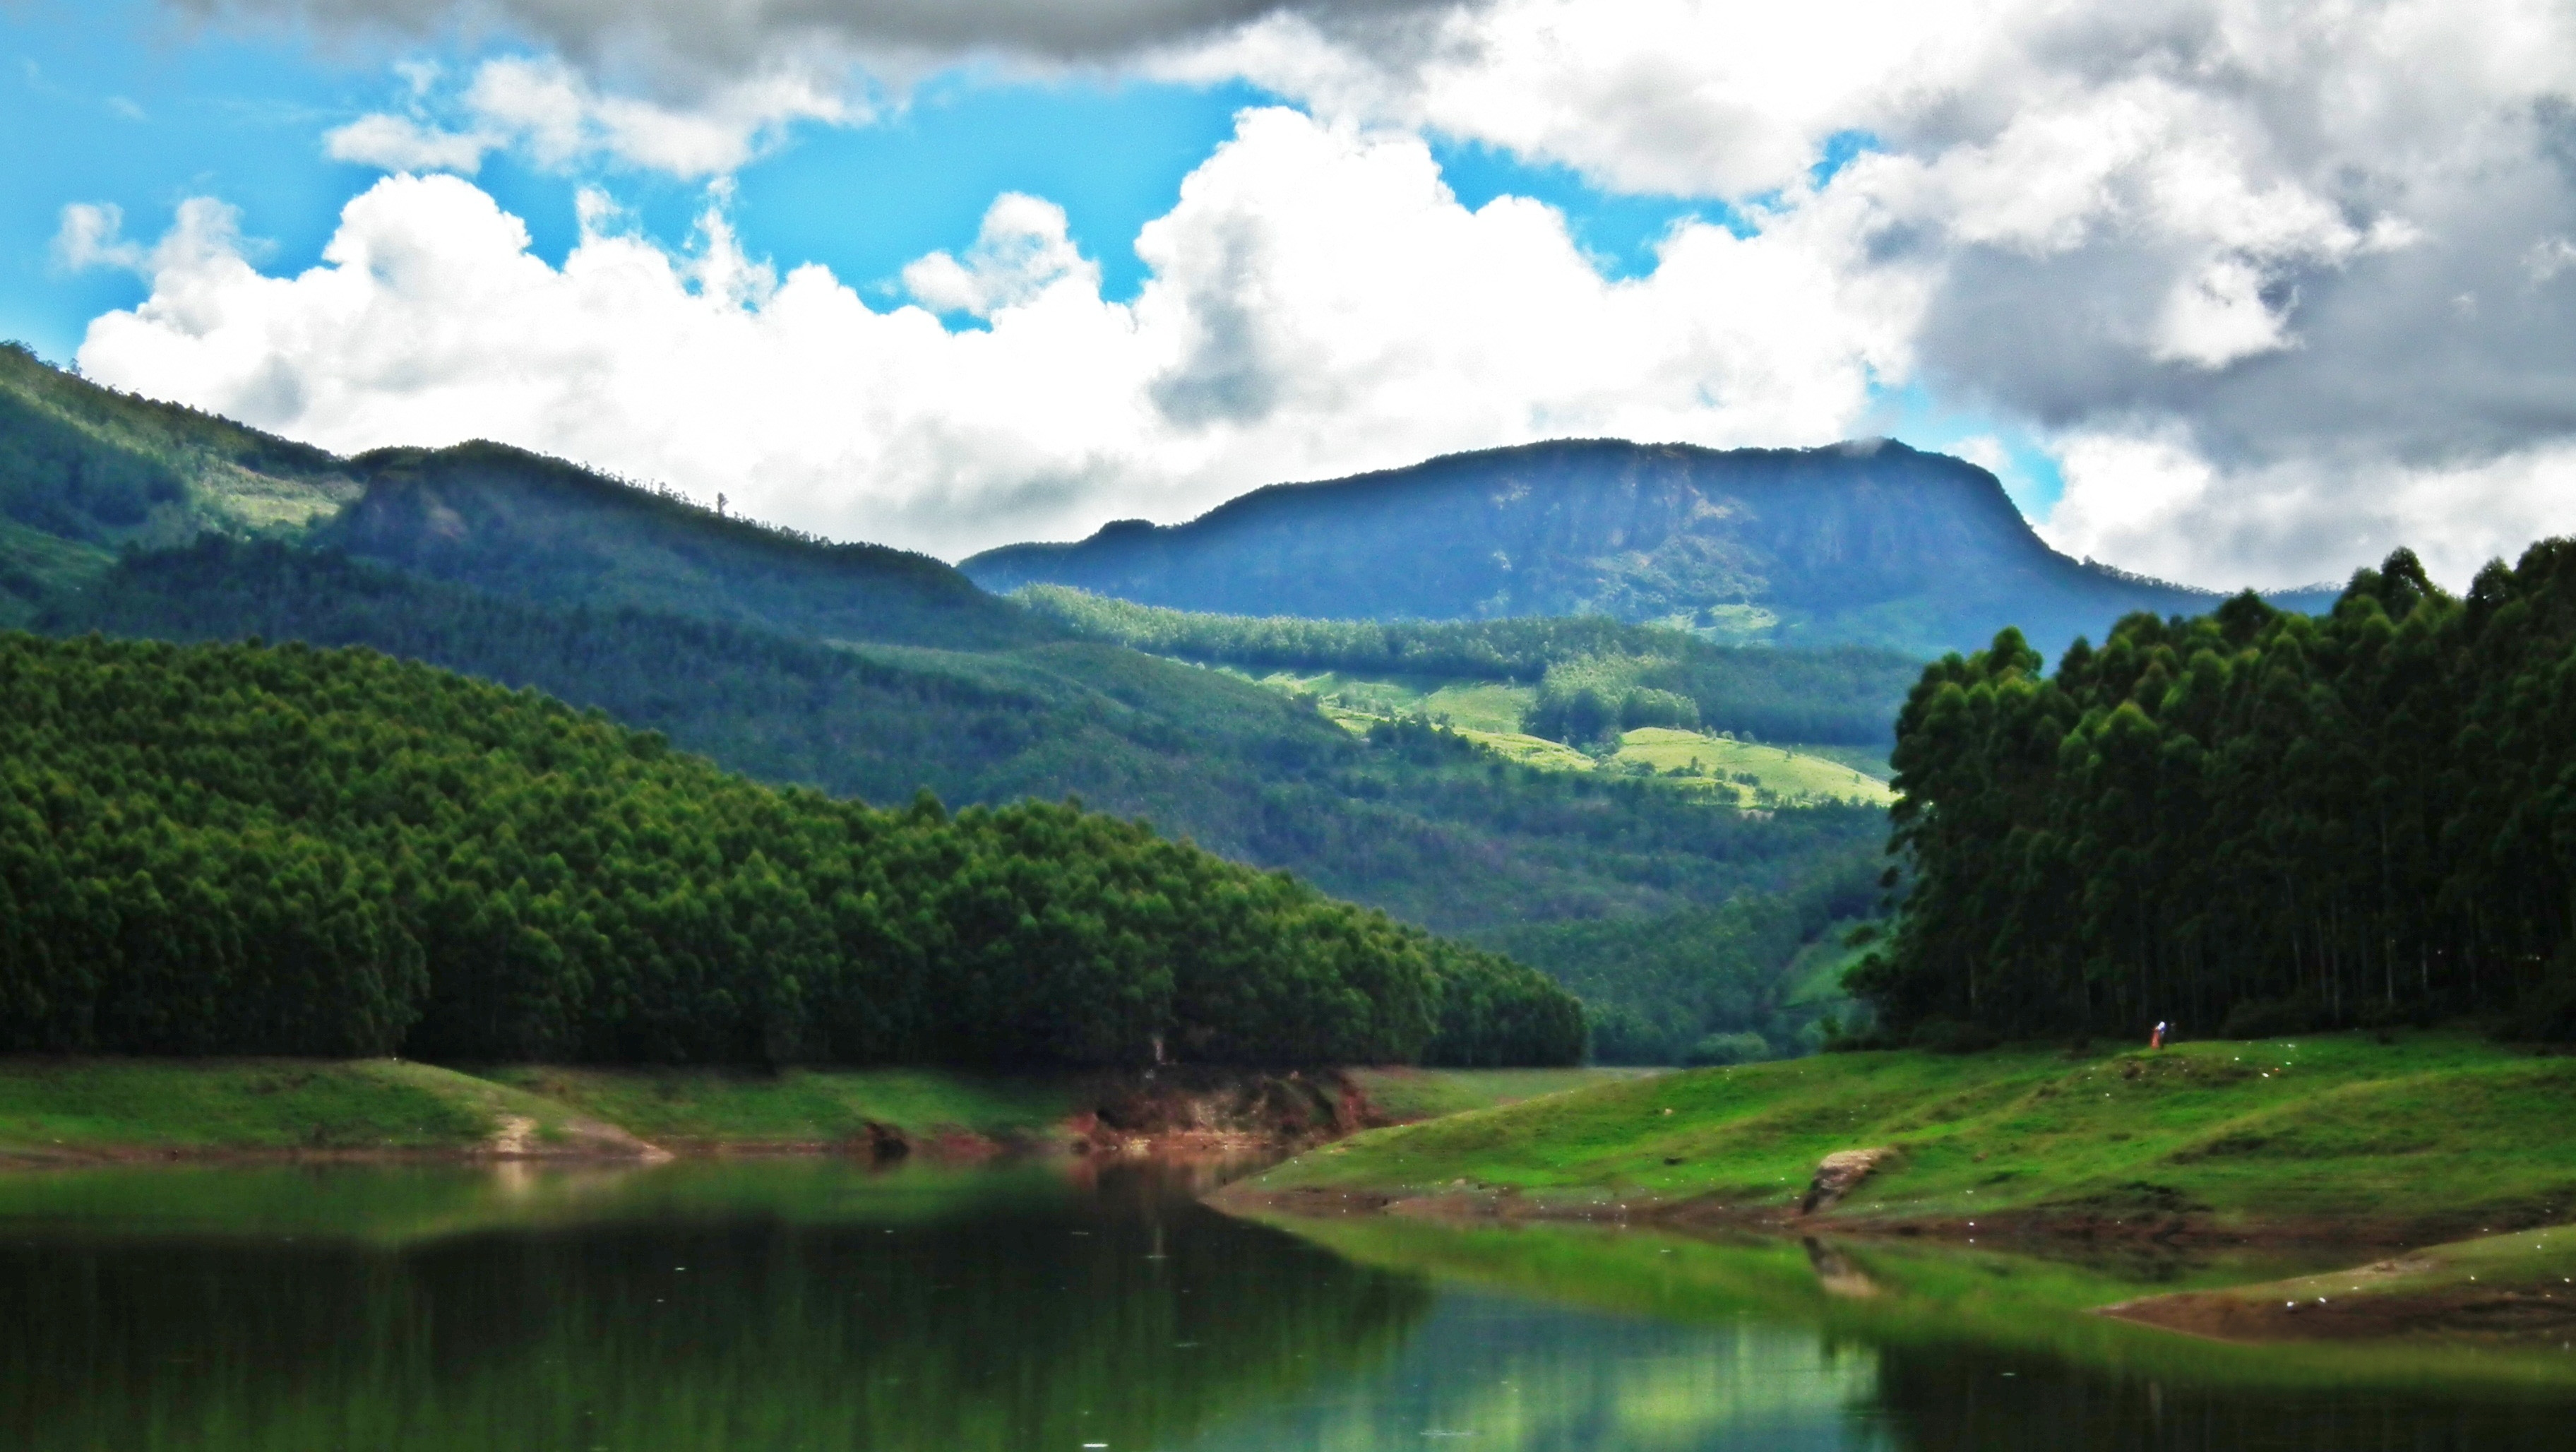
(2249, 821)
(253, 849)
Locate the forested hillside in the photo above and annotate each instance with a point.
(874, 673)
(2250, 820)
(246, 849)
(1414, 821)
(1751, 979)
(1871, 543)
(85, 471)
(542, 530)
(1635, 675)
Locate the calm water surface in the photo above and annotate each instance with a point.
(829, 1305)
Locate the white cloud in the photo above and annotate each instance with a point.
(560, 119)
(400, 143)
(2267, 270)
(1022, 249)
(204, 244)
(2149, 501)
(2233, 234)
(92, 234)
(1319, 303)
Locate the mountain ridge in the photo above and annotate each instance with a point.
(1870, 542)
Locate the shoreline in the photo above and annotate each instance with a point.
(1507, 1206)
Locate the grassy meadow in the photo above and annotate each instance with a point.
(1489, 713)
(2429, 1131)
(68, 1108)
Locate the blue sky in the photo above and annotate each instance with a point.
(139, 111)
(2216, 325)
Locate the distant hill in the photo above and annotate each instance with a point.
(540, 529)
(1872, 543)
(86, 471)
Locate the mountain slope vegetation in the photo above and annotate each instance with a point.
(1872, 543)
(251, 849)
(542, 530)
(1413, 819)
(874, 673)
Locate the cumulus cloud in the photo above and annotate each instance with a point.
(1022, 249)
(2315, 258)
(1318, 303)
(2284, 273)
(2149, 501)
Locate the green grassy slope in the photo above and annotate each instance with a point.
(2435, 1129)
(1405, 1095)
(70, 1107)
(681, 1107)
(74, 1109)
(1728, 771)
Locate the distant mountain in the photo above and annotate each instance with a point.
(86, 471)
(1870, 543)
(539, 529)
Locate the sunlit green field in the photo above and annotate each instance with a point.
(1489, 713)
(2438, 1129)
(1783, 773)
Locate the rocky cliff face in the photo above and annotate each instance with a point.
(1871, 542)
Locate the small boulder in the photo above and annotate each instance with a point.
(1838, 1173)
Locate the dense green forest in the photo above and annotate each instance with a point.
(1709, 985)
(252, 849)
(1594, 674)
(2249, 821)
(1415, 820)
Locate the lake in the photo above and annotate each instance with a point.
(828, 1304)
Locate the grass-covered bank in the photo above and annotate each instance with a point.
(687, 1109)
(57, 1110)
(2427, 1136)
(69, 1109)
